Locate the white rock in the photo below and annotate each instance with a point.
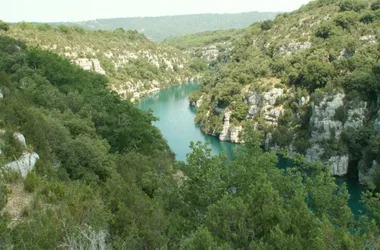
(97, 67)
(356, 116)
(1, 95)
(289, 48)
(322, 119)
(339, 165)
(20, 137)
(230, 133)
(303, 101)
(25, 164)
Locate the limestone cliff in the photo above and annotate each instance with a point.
(134, 65)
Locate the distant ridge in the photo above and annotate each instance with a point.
(165, 27)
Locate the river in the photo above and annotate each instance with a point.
(176, 122)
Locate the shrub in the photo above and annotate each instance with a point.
(267, 25)
(31, 182)
(4, 26)
(368, 17)
(63, 28)
(375, 5)
(354, 5)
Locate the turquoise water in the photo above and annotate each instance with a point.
(176, 122)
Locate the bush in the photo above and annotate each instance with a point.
(63, 28)
(354, 5)
(340, 114)
(368, 17)
(3, 196)
(375, 5)
(267, 25)
(31, 182)
(4, 26)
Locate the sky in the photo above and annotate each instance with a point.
(82, 10)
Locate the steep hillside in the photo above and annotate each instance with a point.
(134, 65)
(160, 28)
(206, 45)
(102, 177)
(309, 81)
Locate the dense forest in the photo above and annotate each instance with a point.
(165, 27)
(105, 178)
(308, 80)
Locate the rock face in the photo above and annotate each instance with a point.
(325, 126)
(24, 164)
(339, 165)
(322, 120)
(197, 103)
(264, 103)
(230, 133)
(210, 53)
(91, 65)
(290, 47)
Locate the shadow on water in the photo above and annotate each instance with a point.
(176, 122)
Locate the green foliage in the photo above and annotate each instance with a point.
(31, 182)
(266, 25)
(198, 65)
(4, 26)
(354, 5)
(12, 148)
(3, 196)
(63, 28)
(167, 27)
(375, 5)
(325, 30)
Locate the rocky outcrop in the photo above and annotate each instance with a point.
(210, 53)
(91, 65)
(229, 132)
(322, 120)
(264, 104)
(339, 165)
(291, 47)
(197, 103)
(325, 126)
(26, 162)
(368, 39)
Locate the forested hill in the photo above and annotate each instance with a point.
(309, 81)
(104, 178)
(134, 65)
(160, 28)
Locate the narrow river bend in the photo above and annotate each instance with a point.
(176, 122)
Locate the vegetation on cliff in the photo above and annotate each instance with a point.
(133, 64)
(325, 47)
(107, 179)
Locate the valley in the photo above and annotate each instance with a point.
(259, 135)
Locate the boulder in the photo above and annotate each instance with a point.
(24, 164)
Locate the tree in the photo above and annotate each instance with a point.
(355, 5)
(4, 26)
(267, 25)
